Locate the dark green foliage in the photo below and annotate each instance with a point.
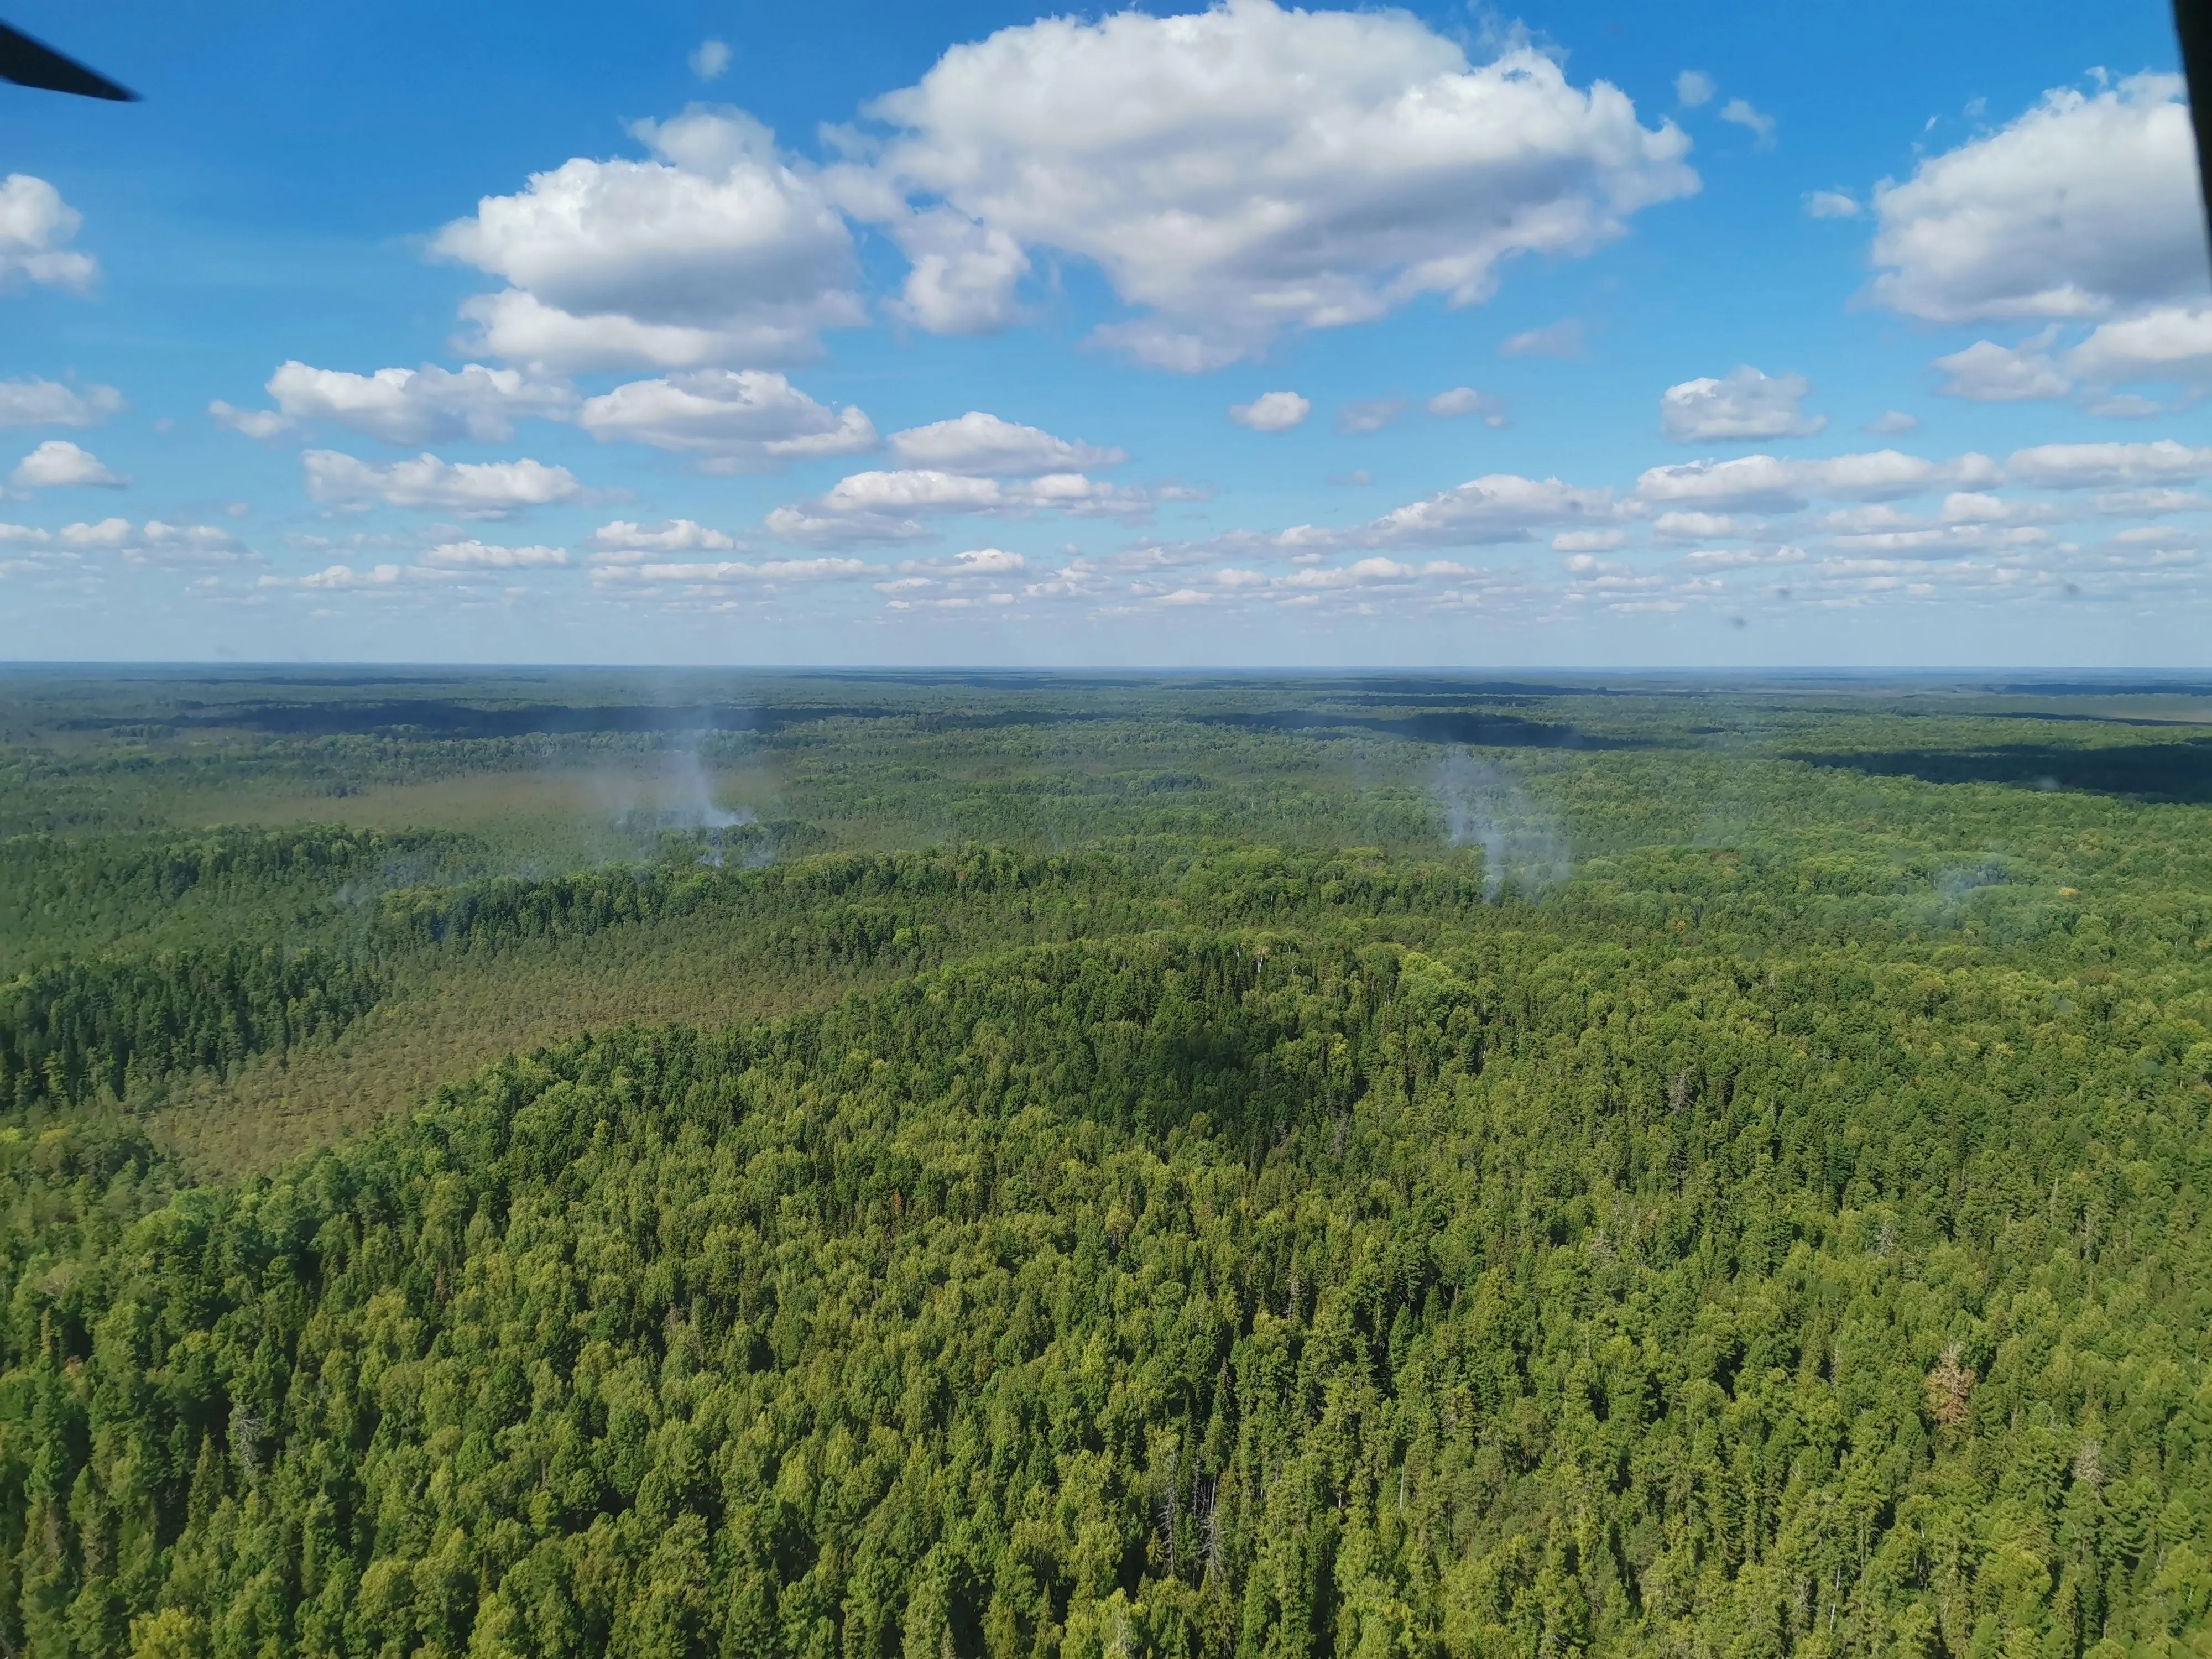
(78, 1032)
(81, 1033)
(60, 897)
(1162, 1297)
(1782, 1234)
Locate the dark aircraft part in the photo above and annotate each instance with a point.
(2192, 20)
(28, 64)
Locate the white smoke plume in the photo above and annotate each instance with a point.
(671, 791)
(1485, 806)
(689, 802)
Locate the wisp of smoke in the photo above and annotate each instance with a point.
(690, 803)
(674, 795)
(1485, 806)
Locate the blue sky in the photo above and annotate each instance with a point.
(1583, 335)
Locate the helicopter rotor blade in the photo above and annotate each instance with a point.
(29, 64)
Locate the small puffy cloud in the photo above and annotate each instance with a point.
(2127, 406)
(409, 406)
(343, 578)
(105, 532)
(1368, 414)
(985, 446)
(1767, 482)
(728, 572)
(1246, 170)
(2086, 205)
(260, 424)
(57, 463)
(710, 59)
(49, 403)
(712, 250)
(1563, 339)
(1832, 204)
(2168, 343)
(1271, 411)
(1745, 405)
(2107, 466)
(1360, 572)
(1466, 400)
(1499, 508)
(160, 543)
(1694, 88)
(487, 489)
(1891, 422)
(2149, 502)
(890, 507)
(1755, 121)
(1988, 373)
(1743, 558)
(735, 419)
(36, 229)
(1693, 526)
(477, 555)
(621, 538)
(964, 274)
(1588, 541)
(988, 562)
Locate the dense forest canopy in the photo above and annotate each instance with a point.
(962, 1166)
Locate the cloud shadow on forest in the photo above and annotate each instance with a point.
(2174, 772)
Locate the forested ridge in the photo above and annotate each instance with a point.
(82, 1031)
(1171, 1296)
(1099, 1170)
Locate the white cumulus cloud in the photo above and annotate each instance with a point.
(473, 489)
(725, 572)
(2086, 205)
(1497, 508)
(1756, 122)
(478, 556)
(104, 532)
(1767, 482)
(49, 403)
(1466, 400)
(36, 229)
(1988, 373)
(57, 463)
(2107, 466)
(2167, 343)
(984, 444)
(710, 59)
(1747, 405)
(890, 506)
(621, 538)
(1368, 414)
(1244, 170)
(1561, 339)
(261, 424)
(1695, 526)
(714, 249)
(161, 543)
(1271, 411)
(409, 406)
(1588, 541)
(736, 420)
